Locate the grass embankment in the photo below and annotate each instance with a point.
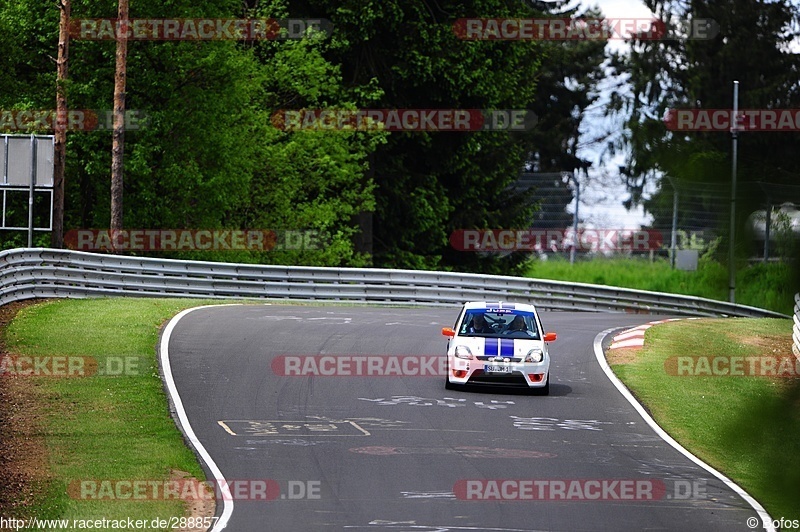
(770, 286)
(98, 427)
(747, 427)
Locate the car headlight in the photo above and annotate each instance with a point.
(463, 351)
(534, 355)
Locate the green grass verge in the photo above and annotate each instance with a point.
(770, 286)
(747, 427)
(103, 427)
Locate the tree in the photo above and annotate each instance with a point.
(60, 140)
(118, 134)
(429, 184)
(567, 86)
(753, 47)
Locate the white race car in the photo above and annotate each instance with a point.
(498, 344)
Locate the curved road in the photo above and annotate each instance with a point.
(404, 454)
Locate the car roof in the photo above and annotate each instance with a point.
(486, 305)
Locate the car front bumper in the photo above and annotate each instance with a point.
(518, 374)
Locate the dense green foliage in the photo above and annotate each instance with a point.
(209, 156)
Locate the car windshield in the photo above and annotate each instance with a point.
(499, 323)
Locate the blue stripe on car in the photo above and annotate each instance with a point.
(506, 347)
(490, 347)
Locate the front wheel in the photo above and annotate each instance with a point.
(544, 390)
(447, 384)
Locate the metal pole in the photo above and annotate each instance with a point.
(766, 231)
(575, 220)
(5, 159)
(30, 191)
(731, 245)
(674, 239)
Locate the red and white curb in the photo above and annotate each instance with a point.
(634, 338)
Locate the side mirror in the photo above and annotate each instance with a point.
(550, 337)
(447, 331)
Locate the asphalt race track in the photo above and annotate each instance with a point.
(404, 454)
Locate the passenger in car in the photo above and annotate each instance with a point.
(517, 324)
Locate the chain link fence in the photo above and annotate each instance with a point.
(680, 216)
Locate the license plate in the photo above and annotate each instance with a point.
(497, 369)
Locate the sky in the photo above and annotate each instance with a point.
(602, 195)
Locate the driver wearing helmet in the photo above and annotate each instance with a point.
(479, 325)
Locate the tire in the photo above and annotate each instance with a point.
(447, 384)
(544, 390)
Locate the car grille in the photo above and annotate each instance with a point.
(514, 379)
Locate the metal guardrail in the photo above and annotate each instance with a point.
(796, 326)
(41, 272)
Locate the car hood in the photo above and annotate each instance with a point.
(492, 347)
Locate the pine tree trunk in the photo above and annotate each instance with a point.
(60, 148)
(118, 139)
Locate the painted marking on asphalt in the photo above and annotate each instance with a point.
(291, 428)
(226, 427)
(370, 422)
(405, 525)
(427, 495)
(551, 423)
(450, 402)
(443, 430)
(467, 452)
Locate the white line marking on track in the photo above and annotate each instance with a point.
(227, 501)
(766, 520)
(226, 427)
